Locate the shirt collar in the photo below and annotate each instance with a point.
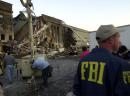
(100, 50)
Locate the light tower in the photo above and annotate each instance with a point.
(28, 4)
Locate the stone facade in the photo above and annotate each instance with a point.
(54, 33)
(81, 36)
(52, 36)
(6, 27)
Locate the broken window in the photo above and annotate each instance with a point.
(2, 37)
(10, 37)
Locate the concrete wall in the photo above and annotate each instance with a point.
(80, 35)
(124, 36)
(92, 40)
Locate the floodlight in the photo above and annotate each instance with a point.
(26, 3)
(28, 15)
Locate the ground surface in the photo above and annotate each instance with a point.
(59, 84)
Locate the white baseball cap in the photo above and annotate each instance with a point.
(105, 31)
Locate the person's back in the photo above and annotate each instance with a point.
(9, 60)
(40, 63)
(85, 52)
(101, 73)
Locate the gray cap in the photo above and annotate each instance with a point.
(105, 31)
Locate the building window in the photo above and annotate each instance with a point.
(2, 37)
(1, 19)
(1, 16)
(10, 37)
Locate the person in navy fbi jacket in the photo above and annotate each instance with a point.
(101, 73)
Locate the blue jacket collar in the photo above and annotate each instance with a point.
(101, 50)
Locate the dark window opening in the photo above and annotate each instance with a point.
(2, 37)
(10, 37)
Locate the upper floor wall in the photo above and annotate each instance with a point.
(6, 26)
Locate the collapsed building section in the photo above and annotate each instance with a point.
(49, 34)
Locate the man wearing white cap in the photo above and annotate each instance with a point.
(100, 73)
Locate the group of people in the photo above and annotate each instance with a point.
(100, 73)
(40, 63)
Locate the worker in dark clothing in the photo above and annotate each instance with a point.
(9, 62)
(1, 89)
(124, 52)
(101, 73)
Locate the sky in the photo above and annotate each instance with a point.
(85, 14)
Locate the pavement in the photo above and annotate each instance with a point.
(60, 84)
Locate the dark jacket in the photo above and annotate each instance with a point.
(102, 74)
(9, 60)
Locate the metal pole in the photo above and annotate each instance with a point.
(30, 32)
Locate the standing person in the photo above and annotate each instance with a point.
(85, 52)
(124, 52)
(41, 64)
(100, 73)
(1, 64)
(1, 89)
(9, 62)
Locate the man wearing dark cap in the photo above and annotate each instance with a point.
(124, 52)
(100, 73)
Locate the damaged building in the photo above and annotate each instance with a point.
(48, 32)
(6, 26)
